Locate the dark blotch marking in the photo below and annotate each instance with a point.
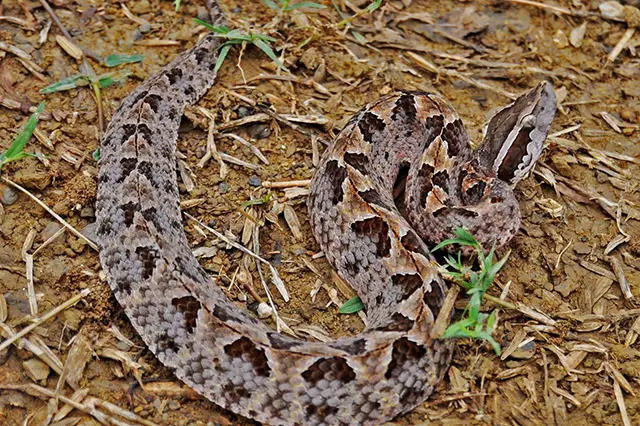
(128, 165)
(434, 298)
(408, 283)
(455, 211)
(139, 96)
(174, 75)
(360, 162)
(456, 138)
(337, 174)
(372, 196)
(441, 179)
(150, 215)
(146, 170)
(369, 125)
(404, 350)
(128, 131)
(398, 323)
(169, 187)
(331, 369)
(188, 306)
(279, 341)
(434, 125)
(235, 393)
(425, 175)
(201, 54)
(123, 286)
(376, 229)
(166, 343)
(172, 112)
(400, 186)
(496, 199)
(320, 412)
(411, 242)
(189, 91)
(406, 107)
(245, 349)
(148, 256)
(353, 348)
(129, 210)
(145, 132)
(475, 193)
(153, 101)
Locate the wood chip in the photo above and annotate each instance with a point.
(69, 47)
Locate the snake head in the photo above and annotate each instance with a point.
(515, 136)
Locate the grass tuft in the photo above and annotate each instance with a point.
(473, 324)
(236, 36)
(16, 150)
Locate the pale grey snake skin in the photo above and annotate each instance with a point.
(235, 360)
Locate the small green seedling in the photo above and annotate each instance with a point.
(286, 6)
(16, 150)
(473, 323)
(176, 3)
(236, 36)
(257, 201)
(78, 80)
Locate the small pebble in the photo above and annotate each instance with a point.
(8, 196)
(255, 181)
(90, 231)
(253, 306)
(525, 351)
(582, 248)
(174, 405)
(628, 115)
(260, 131)
(244, 111)
(212, 223)
(236, 9)
(87, 212)
(33, 179)
(264, 310)
(223, 187)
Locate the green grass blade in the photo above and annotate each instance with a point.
(66, 84)
(224, 50)
(267, 50)
(373, 6)
(352, 305)
(220, 29)
(307, 4)
(271, 5)
(119, 59)
(21, 140)
(106, 80)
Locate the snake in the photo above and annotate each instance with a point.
(399, 176)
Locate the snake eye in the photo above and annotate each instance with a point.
(529, 121)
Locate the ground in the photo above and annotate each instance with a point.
(570, 352)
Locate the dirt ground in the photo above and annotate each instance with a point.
(570, 352)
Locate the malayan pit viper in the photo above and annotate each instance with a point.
(232, 358)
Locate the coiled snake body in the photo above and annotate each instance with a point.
(235, 360)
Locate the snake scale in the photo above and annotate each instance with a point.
(375, 243)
